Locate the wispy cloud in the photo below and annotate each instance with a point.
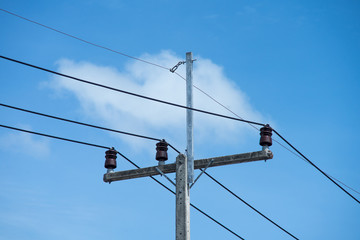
(138, 115)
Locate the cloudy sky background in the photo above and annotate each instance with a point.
(120, 111)
(291, 64)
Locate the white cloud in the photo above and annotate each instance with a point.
(132, 114)
(26, 143)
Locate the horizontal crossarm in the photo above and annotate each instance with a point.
(201, 163)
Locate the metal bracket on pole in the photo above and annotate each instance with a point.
(163, 174)
(173, 69)
(202, 171)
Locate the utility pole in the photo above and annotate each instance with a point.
(189, 116)
(185, 164)
(182, 186)
(182, 199)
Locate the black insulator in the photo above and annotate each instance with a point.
(161, 151)
(266, 133)
(110, 156)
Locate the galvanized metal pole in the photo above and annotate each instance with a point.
(189, 116)
(182, 199)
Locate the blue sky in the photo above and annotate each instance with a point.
(293, 64)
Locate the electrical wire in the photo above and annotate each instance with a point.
(114, 51)
(131, 93)
(138, 59)
(317, 168)
(104, 147)
(126, 55)
(157, 65)
(175, 105)
(297, 155)
(343, 184)
(227, 189)
(79, 123)
(84, 124)
(111, 50)
(129, 56)
(55, 137)
(141, 136)
(108, 49)
(247, 204)
(136, 135)
(212, 98)
(82, 40)
(229, 110)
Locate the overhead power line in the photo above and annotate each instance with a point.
(114, 51)
(104, 147)
(130, 93)
(141, 136)
(160, 66)
(154, 64)
(126, 55)
(121, 53)
(343, 183)
(232, 112)
(55, 137)
(117, 52)
(82, 40)
(316, 167)
(175, 105)
(84, 124)
(302, 157)
(76, 122)
(247, 204)
(148, 62)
